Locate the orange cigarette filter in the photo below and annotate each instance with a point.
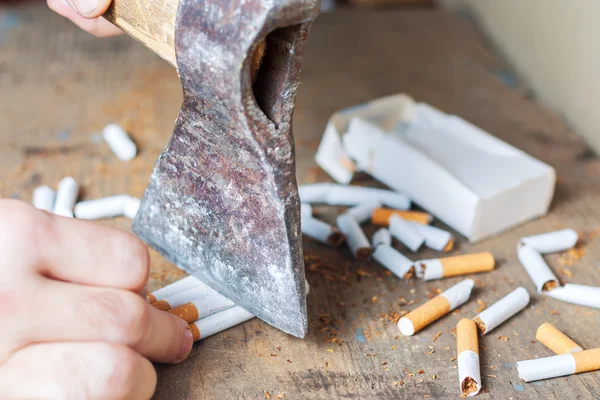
(548, 335)
(161, 305)
(151, 299)
(456, 265)
(381, 216)
(188, 312)
(587, 360)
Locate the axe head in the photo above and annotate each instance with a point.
(222, 202)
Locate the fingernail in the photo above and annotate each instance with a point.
(84, 7)
(186, 346)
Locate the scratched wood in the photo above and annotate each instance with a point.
(59, 86)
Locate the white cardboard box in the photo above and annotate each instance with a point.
(474, 182)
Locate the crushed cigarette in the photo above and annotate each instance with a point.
(66, 196)
(119, 142)
(355, 237)
(552, 242)
(536, 267)
(380, 237)
(108, 207)
(548, 335)
(362, 212)
(321, 231)
(402, 231)
(467, 348)
(43, 198)
(381, 216)
(348, 195)
(582, 295)
(218, 322)
(453, 266)
(436, 308)
(559, 365)
(502, 310)
(435, 238)
(394, 261)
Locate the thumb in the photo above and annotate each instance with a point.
(89, 8)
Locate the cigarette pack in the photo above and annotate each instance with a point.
(471, 180)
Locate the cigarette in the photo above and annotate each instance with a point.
(436, 308)
(107, 207)
(381, 216)
(502, 310)
(43, 198)
(314, 193)
(402, 231)
(66, 195)
(321, 231)
(465, 264)
(218, 322)
(199, 308)
(560, 365)
(536, 267)
(200, 292)
(552, 242)
(555, 340)
(348, 195)
(119, 142)
(435, 238)
(467, 348)
(174, 288)
(395, 261)
(582, 295)
(382, 236)
(306, 210)
(363, 212)
(355, 237)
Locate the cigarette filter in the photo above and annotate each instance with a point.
(199, 292)
(321, 231)
(314, 193)
(502, 310)
(348, 195)
(555, 340)
(107, 207)
(382, 236)
(467, 348)
(66, 196)
(393, 260)
(436, 308)
(536, 267)
(402, 231)
(119, 142)
(363, 212)
(172, 289)
(218, 322)
(552, 242)
(43, 198)
(435, 238)
(306, 210)
(355, 237)
(381, 216)
(465, 264)
(560, 365)
(199, 308)
(582, 295)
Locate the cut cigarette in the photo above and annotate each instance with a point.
(536, 267)
(465, 264)
(435, 238)
(174, 288)
(43, 198)
(321, 231)
(348, 195)
(502, 310)
(306, 210)
(199, 292)
(382, 236)
(132, 205)
(552, 242)
(381, 216)
(314, 193)
(119, 142)
(395, 261)
(107, 207)
(436, 308)
(213, 324)
(555, 340)
(402, 231)
(66, 196)
(467, 348)
(560, 365)
(355, 237)
(363, 212)
(582, 295)
(197, 309)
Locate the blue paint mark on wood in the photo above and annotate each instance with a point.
(518, 386)
(360, 335)
(8, 21)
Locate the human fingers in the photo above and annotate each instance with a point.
(80, 14)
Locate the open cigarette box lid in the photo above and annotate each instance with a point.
(471, 180)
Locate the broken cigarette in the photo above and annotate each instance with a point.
(502, 310)
(560, 365)
(66, 196)
(199, 292)
(363, 212)
(119, 142)
(381, 216)
(435, 238)
(107, 207)
(382, 236)
(348, 195)
(536, 267)
(321, 231)
(213, 324)
(43, 198)
(355, 237)
(436, 308)
(199, 308)
(555, 340)
(582, 295)
(467, 348)
(402, 231)
(170, 290)
(465, 264)
(394, 261)
(314, 192)
(552, 242)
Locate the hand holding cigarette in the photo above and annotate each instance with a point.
(73, 322)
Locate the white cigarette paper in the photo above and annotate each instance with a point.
(502, 310)
(393, 260)
(119, 142)
(536, 267)
(469, 377)
(43, 198)
(132, 205)
(582, 295)
(221, 321)
(363, 212)
(545, 368)
(314, 193)
(468, 367)
(435, 238)
(211, 303)
(174, 288)
(382, 236)
(66, 196)
(306, 210)
(107, 207)
(355, 237)
(401, 230)
(347, 195)
(552, 242)
(321, 231)
(201, 293)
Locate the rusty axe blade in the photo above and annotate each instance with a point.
(222, 202)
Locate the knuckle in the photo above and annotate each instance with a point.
(120, 315)
(22, 228)
(136, 257)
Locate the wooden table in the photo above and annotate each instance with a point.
(60, 86)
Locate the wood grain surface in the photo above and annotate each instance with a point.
(60, 86)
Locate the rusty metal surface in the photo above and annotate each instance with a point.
(222, 202)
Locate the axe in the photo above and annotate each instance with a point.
(222, 202)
